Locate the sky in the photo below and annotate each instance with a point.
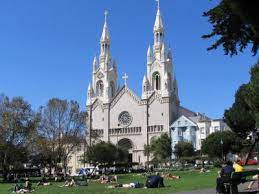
(47, 48)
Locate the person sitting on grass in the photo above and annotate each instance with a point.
(155, 181)
(26, 189)
(237, 166)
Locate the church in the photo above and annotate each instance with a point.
(116, 114)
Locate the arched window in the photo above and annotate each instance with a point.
(112, 89)
(156, 81)
(99, 88)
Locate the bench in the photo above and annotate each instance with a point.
(238, 178)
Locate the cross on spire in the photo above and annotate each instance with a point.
(125, 77)
(158, 4)
(106, 15)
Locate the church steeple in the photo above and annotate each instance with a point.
(158, 28)
(105, 41)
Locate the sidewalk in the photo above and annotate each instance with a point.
(213, 191)
(205, 191)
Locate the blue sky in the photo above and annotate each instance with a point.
(47, 48)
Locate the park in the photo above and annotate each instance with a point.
(184, 120)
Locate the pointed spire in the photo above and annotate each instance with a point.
(144, 80)
(158, 27)
(105, 34)
(149, 52)
(169, 53)
(149, 55)
(95, 63)
(89, 87)
(89, 94)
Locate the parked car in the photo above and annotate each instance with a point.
(250, 162)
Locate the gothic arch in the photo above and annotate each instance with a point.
(99, 88)
(125, 143)
(156, 80)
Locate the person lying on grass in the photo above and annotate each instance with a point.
(108, 179)
(43, 182)
(70, 183)
(171, 176)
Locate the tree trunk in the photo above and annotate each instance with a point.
(250, 150)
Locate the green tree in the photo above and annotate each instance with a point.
(17, 123)
(240, 117)
(235, 24)
(243, 116)
(160, 149)
(219, 144)
(105, 153)
(254, 93)
(183, 149)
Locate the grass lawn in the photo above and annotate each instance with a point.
(190, 180)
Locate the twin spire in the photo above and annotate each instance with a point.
(158, 26)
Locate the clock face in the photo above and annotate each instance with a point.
(125, 118)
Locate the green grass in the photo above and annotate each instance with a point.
(190, 180)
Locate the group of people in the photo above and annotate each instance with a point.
(225, 175)
(26, 188)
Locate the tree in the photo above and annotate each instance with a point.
(17, 123)
(254, 93)
(219, 144)
(243, 116)
(183, 149)
(240, 117)
(160, 149)
(235, 24)
(105, 153)
(61, 131)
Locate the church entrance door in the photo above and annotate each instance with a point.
(128, 145)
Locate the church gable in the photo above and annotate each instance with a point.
(125, 91)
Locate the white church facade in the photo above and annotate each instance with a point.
(120, 116)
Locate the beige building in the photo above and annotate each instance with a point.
(120, 116)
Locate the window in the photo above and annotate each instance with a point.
(99, 88)
(180, 132)
(179, 122)
(156, 81)
(202, 130)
